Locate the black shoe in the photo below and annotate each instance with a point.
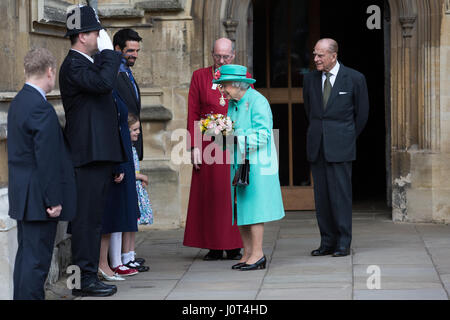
(234, 254)
(141, 261)
(135, 265)
(95, 289)
(322, 252)
(341, 252)
(237, 265)
(260, 264)
(213, 255)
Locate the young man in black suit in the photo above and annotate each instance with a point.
(41, 179)
(337, 106)
(93, 133)
(126, 41)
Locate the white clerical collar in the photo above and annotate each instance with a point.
(84, 54)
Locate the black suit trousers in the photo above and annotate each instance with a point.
(93, 182)
(333, 199)
(34, 256)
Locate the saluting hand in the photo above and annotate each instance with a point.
(104, 41)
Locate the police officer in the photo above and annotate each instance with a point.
(92, 131)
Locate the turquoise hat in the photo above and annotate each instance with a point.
(232, 72)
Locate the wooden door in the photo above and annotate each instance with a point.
(284, 33)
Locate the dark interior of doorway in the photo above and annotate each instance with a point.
(363, 49)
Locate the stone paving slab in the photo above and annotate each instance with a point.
(140, 290)
(414, 261)
(213, 295)
(391, 255)
(412, 294)
(440, 256)
(399, 277)
(344, 293)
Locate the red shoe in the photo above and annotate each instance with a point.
(124, 271)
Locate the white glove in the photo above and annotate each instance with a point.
(104, 41)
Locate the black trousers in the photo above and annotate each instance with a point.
(34, 256)
(333, 199)
(93, 182)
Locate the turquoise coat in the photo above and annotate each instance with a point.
(261, 200)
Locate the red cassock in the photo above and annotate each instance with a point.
(209, 216)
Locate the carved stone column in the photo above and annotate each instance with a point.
(407, 108)
(230, 28)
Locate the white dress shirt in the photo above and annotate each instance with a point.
(84, 54)
(333, 76)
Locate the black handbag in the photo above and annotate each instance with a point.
(242, 175)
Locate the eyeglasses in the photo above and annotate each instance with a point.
(218, 57)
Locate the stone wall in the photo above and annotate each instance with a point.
(441, 175)
(168, 56)
(419, 126)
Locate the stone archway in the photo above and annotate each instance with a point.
(223, 18)
(415, 111)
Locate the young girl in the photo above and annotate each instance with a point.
(145, 206)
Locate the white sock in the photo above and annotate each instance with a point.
(126, 257)
(133, 255)
(115, 248)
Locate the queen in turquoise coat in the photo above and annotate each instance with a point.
(261, 200)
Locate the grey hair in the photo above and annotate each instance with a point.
(241, 85)
(333, 46)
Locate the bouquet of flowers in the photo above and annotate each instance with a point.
(215, 124)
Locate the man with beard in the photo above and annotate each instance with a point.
(126, 41)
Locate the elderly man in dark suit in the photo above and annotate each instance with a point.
(337, 106)
(42, 187)
(93, 133)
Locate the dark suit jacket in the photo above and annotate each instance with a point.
(41, 172)
(126, 92)
(92, 127)
(342, 121)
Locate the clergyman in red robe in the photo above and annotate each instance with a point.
(209, 216)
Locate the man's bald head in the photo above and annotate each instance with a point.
(223, 52)
(223, 44)
(325, 54)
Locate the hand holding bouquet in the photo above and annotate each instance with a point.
(216, 124)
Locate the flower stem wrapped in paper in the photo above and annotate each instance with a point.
(217, 125)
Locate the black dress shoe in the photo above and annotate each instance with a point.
(135, 265)
(260, 264)
(95, 289)
(237, 265)
(213, 255)
(341, 252)
(234, 254)
(141, 261)
(322, 252)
